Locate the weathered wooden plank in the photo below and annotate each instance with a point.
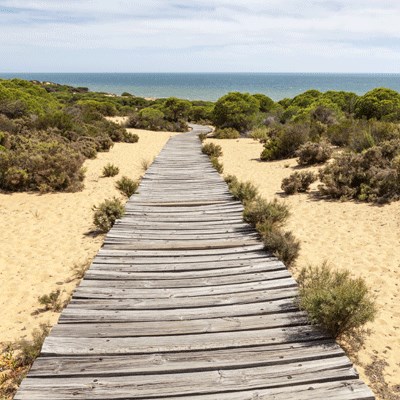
(133, 266)
(77, 315)
(146, 293)
(139, 364)
(128, 274)
(182, 327)
(184, 302)
(164, 385)
(181, 253)
(188, 282)
(180, 245)
(157, 344)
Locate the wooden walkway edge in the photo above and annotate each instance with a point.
(182, 302)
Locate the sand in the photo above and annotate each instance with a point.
(43, 237)
(357, 236)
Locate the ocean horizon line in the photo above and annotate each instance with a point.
(210, 86)
(203, 72)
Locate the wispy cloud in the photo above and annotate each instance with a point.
(208, 35)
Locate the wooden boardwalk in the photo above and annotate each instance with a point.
(182, 302)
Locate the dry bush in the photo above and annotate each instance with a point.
(145, 164)
(217, 165)
(281, 244)
(314, 153)
(52, 301)
(243, 191)
(226, 133)
(212, 150)
(110, 170)
(339, 303)
(261, 211)
(17, 359)
(40, 162)
(127, 186)
(284, 142)
(298, 182)
(260, 134)
(107, 213)
(203, 137)
(373, 175)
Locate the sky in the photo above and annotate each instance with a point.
(200, 36)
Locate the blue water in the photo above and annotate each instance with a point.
(211, 86)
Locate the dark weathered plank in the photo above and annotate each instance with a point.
(192, 383)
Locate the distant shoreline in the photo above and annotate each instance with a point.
(211, 86)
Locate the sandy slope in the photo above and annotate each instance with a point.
(359, 237)
(44, 236)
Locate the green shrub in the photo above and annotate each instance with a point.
(314, 153)
(226, 133)
(361, 140)
(131, 138)
(243, 191)
(283, 143)
(236, 110)
(261, 211)
(334, 300)
(282, 245)
(107, 213)
(298, 182)
(86, 146)
(229, 179)
(212, 150)
(217, 165)
(127, 186)
(110, 170)
(40, 161)
(153, 118)
(373, 175)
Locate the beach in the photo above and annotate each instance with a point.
(360, 237)
(47, 239)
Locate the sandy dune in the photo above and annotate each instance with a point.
(44, 236)
(360, 237)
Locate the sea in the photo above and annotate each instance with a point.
(211, 86)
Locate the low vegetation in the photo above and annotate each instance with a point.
(268, 218)
(127, 186)
(282, 244)
(106, 213)
(373, 175)
(52, 301)
(243, 191)
(212, 150)
(226, 133)
(298, 182)
(217, 164)
(311, 153)
(47, 132)
(145, 164)
(336, 301)
(17, 359)
(110, 170)
(261, 211)
(203, 137)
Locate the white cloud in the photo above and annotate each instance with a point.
(255, 34)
